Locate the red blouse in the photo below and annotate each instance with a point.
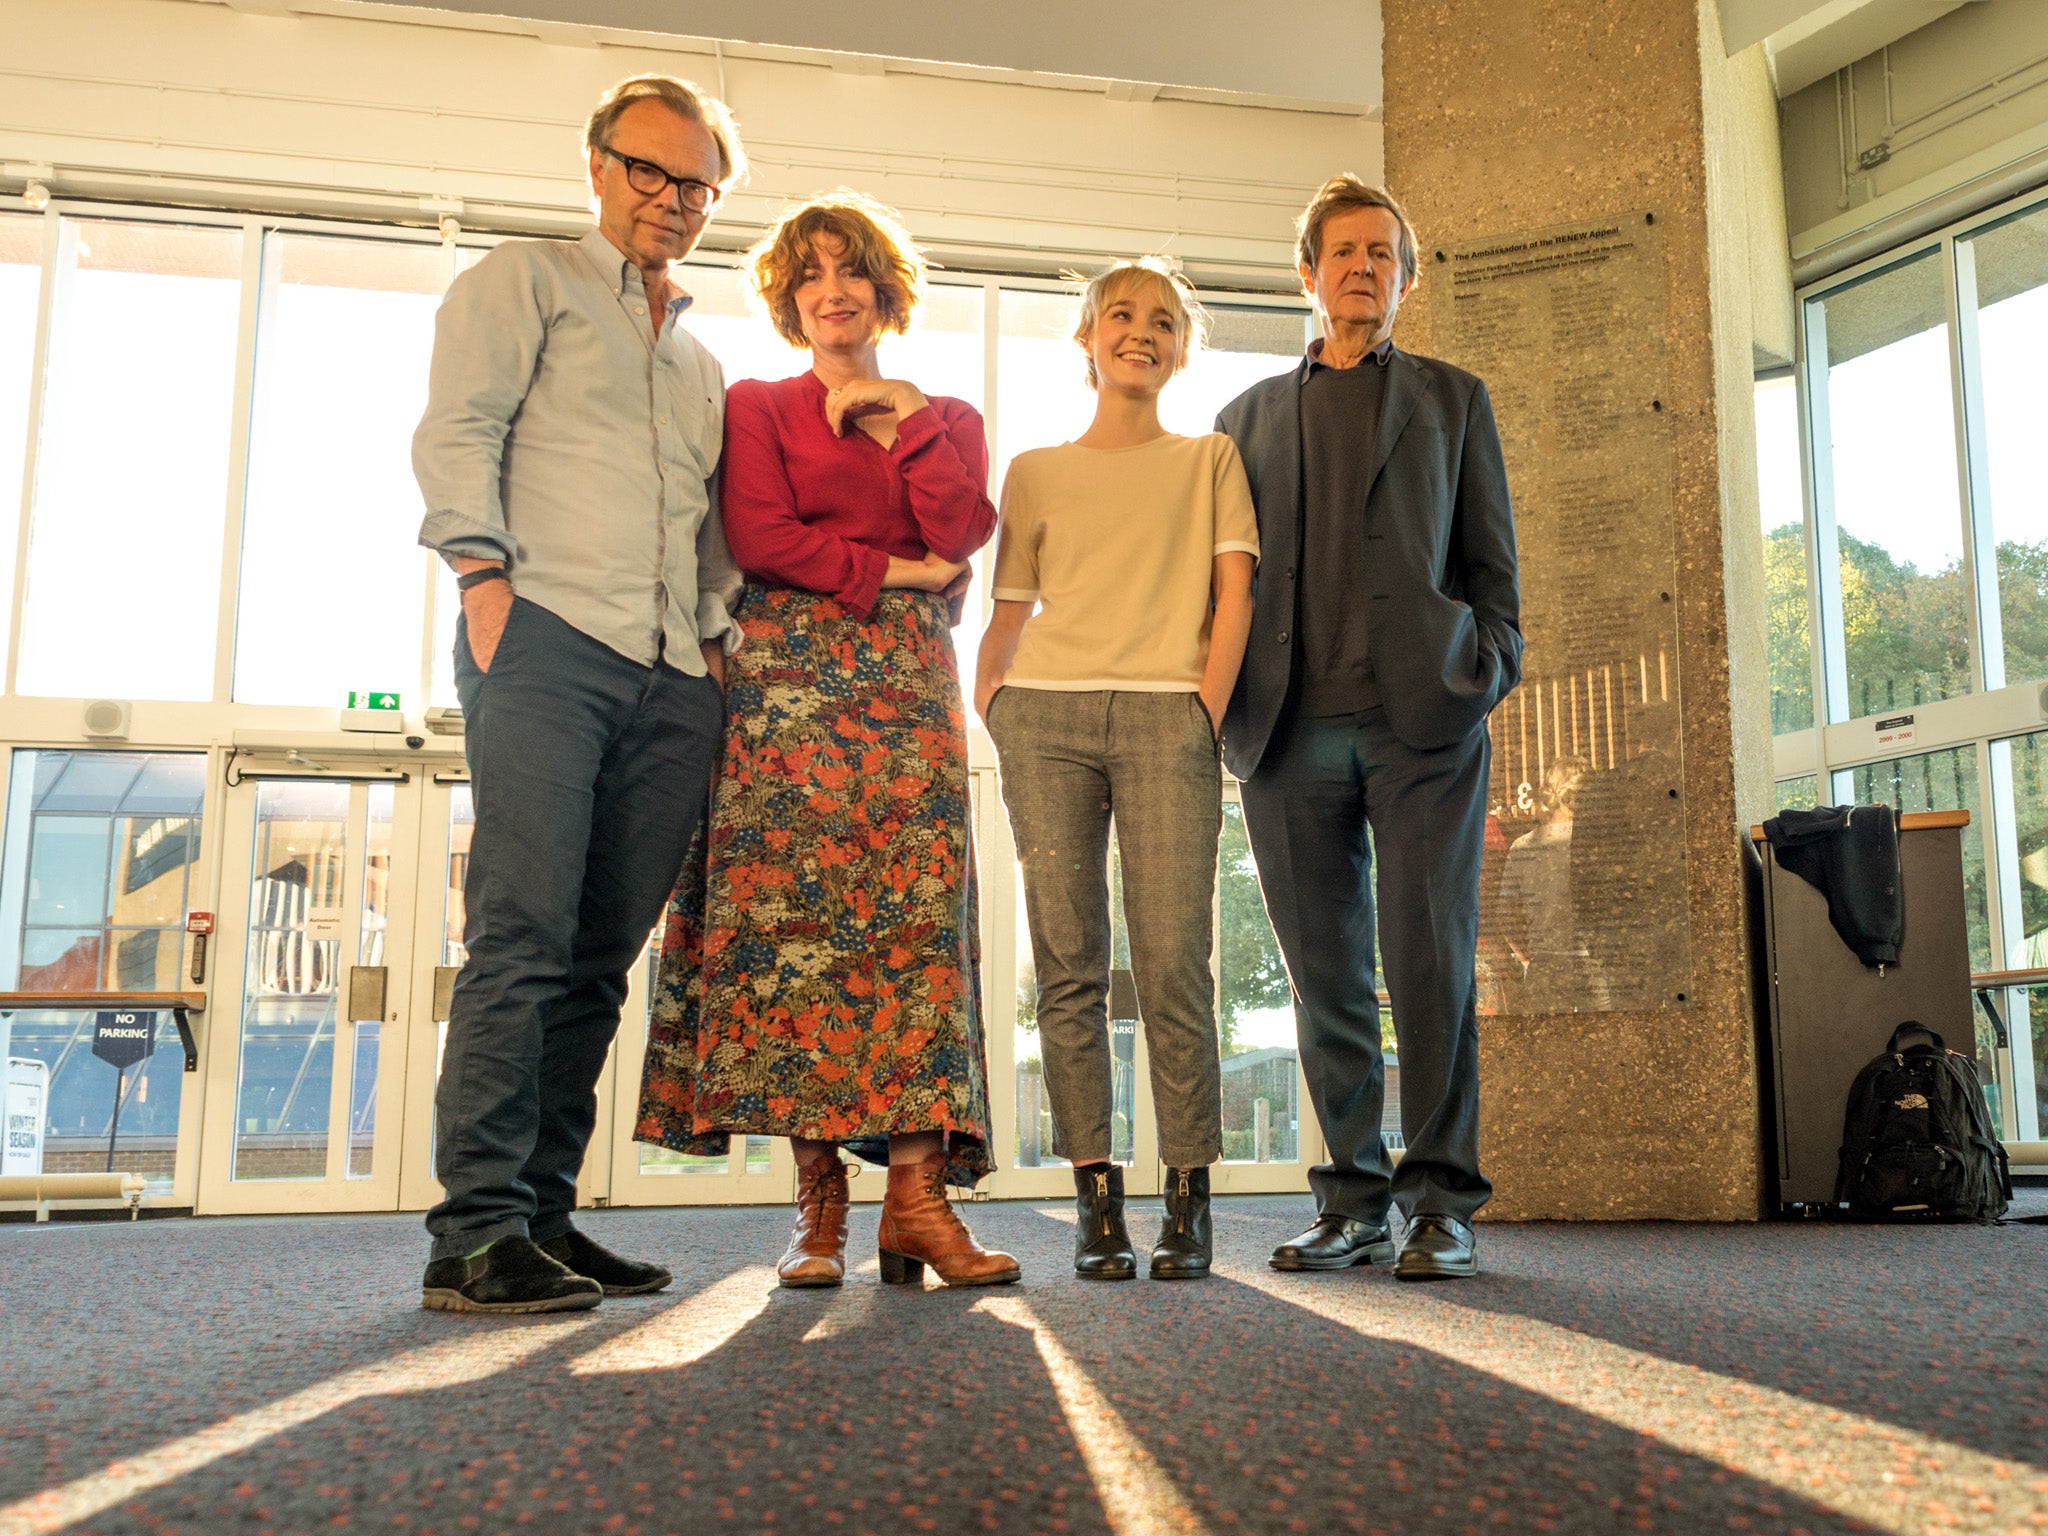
(803, 508)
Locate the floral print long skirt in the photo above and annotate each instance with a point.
(820, 970)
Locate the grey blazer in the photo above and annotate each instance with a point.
(1444, 621)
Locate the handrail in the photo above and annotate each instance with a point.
(2037, 976)
(1984, 983)
(12, 1001)
(178, 1004)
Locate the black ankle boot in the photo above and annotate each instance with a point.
(1102, 1244)
(1187, 1240)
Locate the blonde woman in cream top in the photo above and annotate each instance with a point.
(1123, 598)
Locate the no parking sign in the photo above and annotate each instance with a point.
(124, 1036)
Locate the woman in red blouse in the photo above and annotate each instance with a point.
(820, 971)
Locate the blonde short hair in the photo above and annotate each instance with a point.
(1342, 194)
(1190, 321)
(687, 102)
(878, 248)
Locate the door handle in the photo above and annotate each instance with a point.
(366, 992)
(444, 990)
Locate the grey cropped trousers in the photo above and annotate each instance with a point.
(1072, 762)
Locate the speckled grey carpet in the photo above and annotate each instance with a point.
(278, 1376)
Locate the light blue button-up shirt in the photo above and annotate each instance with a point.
(563, 437)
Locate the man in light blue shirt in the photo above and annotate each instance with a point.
(568, 458)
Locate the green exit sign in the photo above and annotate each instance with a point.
(373, 701)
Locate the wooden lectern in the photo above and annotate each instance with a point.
(1830, 1013)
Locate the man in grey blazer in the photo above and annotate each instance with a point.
(1386, 626)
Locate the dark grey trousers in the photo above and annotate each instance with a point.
(1071, 762)
(590, 774)
(1306, 810)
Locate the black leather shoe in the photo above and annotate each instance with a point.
(1437, 1248)
(1102, 1244)
(1335, 1242)
(1186, 1240)
(512, 1276)
(592, 1260)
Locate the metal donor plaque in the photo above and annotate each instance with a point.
(1583, 897)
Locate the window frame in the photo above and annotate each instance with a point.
(1997, 712)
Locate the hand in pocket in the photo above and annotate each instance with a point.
(485, 608)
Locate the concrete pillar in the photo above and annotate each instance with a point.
(1507, 116)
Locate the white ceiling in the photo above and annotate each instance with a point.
(1808, 40)
(1293, 52)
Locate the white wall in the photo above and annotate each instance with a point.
(217, 104)
(1297, 50)
(1960, 106)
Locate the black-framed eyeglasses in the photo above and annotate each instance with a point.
(650, 180)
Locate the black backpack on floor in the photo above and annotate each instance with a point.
(1917, 1140)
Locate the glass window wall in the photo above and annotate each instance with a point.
(1931, 529)
(95, 881)
(1261, 1081)
(2024, 851)
(1785, 581)
(131, 473)
(2009, 265)
(1800, 794)
(21, 286)
(330, 526)
(1891, 452)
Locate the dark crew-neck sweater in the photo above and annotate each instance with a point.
(1340, 416)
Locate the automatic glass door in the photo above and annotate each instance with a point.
(306, 1092)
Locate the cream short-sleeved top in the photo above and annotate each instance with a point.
(1116, 547)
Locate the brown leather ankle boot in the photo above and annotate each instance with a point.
(920, 1228)
(817, 1248)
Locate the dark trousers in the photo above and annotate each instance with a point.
(590, 774)
(1307, 809)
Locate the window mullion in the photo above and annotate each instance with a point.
(431, 612)
(2002, 901)
(56, 261)
(1980, 554)
(1974, 455)
(239, 422)
(1823, 548)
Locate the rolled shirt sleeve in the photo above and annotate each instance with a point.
(488, 336)
(718, 577)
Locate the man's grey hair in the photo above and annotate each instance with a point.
(687, 102)
(1341, 194)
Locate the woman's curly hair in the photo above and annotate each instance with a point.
(877, 247)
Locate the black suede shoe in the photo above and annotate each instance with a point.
(581, 1255)
(509, 1276)
(1102, 1244)
(1186, 1241)
(1437, 1248)
(1335, 1242)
